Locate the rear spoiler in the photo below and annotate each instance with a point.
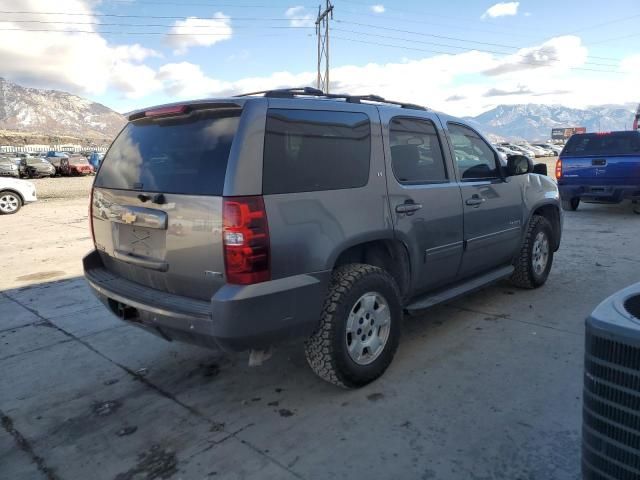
(181, 108)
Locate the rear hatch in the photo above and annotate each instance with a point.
(602, 158)
(157, 199)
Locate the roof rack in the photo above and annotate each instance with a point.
(314, 92)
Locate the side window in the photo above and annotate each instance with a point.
(474, 158)
(416, 152)
(312, 150)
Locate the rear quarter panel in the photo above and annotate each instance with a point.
(309, 230)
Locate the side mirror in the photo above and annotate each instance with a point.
(540, 168)
(518, 165)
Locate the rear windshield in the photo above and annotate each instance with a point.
(618, 143)
(183, 155)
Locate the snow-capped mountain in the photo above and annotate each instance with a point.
(52, 112)
(534, 121)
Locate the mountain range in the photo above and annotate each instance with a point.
(535, 121)
(51, 113)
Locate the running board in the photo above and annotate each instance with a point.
(440, 296)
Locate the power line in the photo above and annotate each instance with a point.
(152, 24)
(445, 37)
(210, 5)
(452, 46)
(451, 53)
(429, 22)
(129, 33)
(118, 15)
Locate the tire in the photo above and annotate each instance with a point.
(571, 205)
(10, 202)
(530, 271)
(356, 298)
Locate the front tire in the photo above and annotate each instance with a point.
(10, 203)
(533, 264)
(359, 328)
(571, 205)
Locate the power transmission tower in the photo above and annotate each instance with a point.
(322, 31)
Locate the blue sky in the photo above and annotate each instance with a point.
(459, 56)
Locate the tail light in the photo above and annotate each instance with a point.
(558, 169)
(246, 240)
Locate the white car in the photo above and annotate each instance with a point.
(15, 193)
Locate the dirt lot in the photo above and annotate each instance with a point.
(486, 387)
(63, 187)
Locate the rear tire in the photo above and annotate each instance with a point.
(571, 205)
(10, 203)
(534, 261)
(359, 327)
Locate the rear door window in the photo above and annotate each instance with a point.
(312, 150)
(416, 153)
(618, 143)
(181, 155)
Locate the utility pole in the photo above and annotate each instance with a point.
(322, 32)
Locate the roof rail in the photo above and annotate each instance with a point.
(314, 92)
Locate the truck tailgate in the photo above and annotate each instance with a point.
(596, 169)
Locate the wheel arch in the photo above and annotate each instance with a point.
(12, 190)
(551, 212)
(390, 254)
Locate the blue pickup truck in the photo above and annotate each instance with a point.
(600, 168)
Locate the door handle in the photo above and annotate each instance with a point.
(408, 208)
(475, 200)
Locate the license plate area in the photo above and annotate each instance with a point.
(141, 241)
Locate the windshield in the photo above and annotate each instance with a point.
(35, 161)
(172, 155)
(616, 143)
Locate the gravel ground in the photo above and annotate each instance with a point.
(63, 187)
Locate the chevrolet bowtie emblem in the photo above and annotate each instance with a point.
(128, 217)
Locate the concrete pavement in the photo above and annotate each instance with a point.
(487, 387)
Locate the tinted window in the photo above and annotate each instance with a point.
(474, 158)
(618, 143)
(172, 155)
(308, 150)
(416, 154)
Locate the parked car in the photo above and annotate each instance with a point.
(14, 193)
(547, 151)
(94, 159)
(9, 167)
(556, 149)
(75, 165)
(599, 168)
(54, 158)
(523, 151)
(240, 222)
(34, 167)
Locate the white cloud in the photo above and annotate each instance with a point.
(187, 80)
(299, 17)
(377, 8)
(559, 53)
(84, 63)
(501, 9)
(435, 81)
(199, 32)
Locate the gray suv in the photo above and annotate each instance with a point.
(244, 221)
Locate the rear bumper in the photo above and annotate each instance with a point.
(238, 317)
(600, 193)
